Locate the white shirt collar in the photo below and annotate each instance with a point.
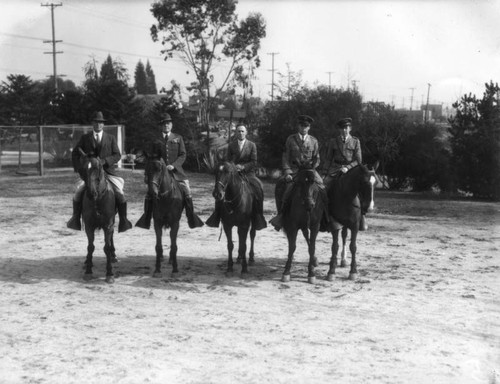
(98, 134)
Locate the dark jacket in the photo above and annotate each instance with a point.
(298, 153)
(340, 154)
(172, 151)
(247, 157)
(107, 151)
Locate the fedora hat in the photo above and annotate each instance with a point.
(98, 117)
(165, 117)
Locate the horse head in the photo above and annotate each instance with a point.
(305, 180)
(156, 174)
(94, 177)
(223, 178)
(366, 187)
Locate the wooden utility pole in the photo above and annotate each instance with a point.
(411, 99)
(272, 76)
(330, 80)
(427, 105)
(53, 41)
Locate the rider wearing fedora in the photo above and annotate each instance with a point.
(103, 146)
(300, 149)
(343, 153)
(170, 147)
(243, 153)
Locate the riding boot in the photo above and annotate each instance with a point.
(259, 221)
(363, 226)
(145, 220)
(124, 224)
(214, 219)
(74, 222)
(193, 220)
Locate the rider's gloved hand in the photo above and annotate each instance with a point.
(170, 167)
(288, 178)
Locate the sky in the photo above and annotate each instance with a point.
(397, 51)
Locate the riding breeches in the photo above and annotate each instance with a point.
(184, 184)
(117, 183)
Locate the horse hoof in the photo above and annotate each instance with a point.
(174, 274)
(114, 259)
(342, 264)
(330, 277)
(88, 276)
(245, 275)
(353, 276)
(311, 279)
(157, 274)
(251, 262)
(110, 279)
(285, 279)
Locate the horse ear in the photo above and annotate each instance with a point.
(375, 166)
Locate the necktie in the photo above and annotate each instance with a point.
(97, 139)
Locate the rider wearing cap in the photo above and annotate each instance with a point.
(102, 145)
(343, 154)
(170, 147)
(300, 149)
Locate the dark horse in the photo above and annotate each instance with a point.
(308, 203)
(98, 212)
(349, 196)
(237, 198)
(168, 204)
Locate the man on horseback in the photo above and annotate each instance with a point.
(170, 147)
(103, 146)
(343, 154)
(243, 153)
(300, 149)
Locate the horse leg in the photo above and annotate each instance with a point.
(313, 261)
(174, 229)
(114, 259)
(353, 273)
(292, 245)
(335, 250)
(108, 251)
(344, 247)
(230, 246)
(242, 248)
(90, 252)
(159, 250)
(251, 255)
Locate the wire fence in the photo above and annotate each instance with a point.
(36, 150)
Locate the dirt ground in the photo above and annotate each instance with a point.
(424, 309)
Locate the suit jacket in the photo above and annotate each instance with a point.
(107, 151)
(173, 152)
(299, 153)
(247, 157)
(340, 154)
